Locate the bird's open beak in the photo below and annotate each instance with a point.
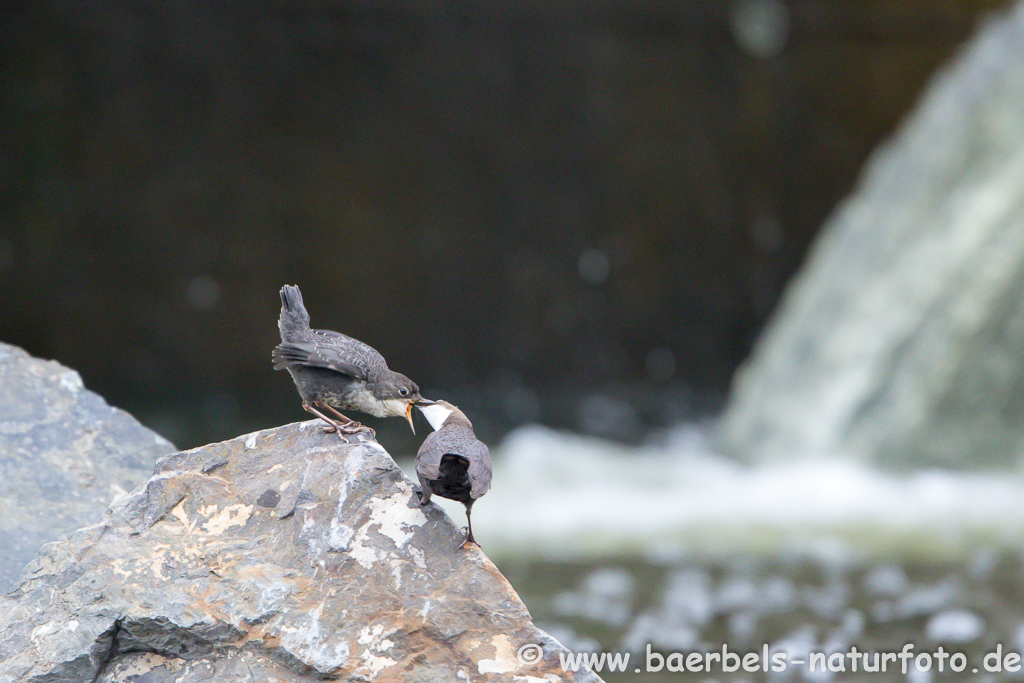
(408, 416)
(416, 402)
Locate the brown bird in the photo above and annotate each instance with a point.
(452, 462)
(332, 370)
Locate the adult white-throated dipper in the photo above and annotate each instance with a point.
(333, 370)
(452, 462)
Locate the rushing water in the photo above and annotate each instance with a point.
(671, 546)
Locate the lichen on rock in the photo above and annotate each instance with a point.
(284, 555)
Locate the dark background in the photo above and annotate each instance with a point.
(575, 213)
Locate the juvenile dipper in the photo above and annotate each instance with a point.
(452, 462)
(332, 370)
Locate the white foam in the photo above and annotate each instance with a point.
(561, 494)
(955, 626)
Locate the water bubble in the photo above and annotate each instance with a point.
(606, 595)
(883, 611)
(743, 625)
(736, 593)
(955, 626)
(828, 601)
(760, 27)
(927, 599)
(778, 595)
(886, 580)
(1018, 638)
(983, 562)
(798, 643)
(610, 581)
(660, 630)
(853, 623)
(594, 266)
(915, 675)
(203, 292)
(688, 596)
(604, 415)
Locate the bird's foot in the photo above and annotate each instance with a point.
(355, 428)
(348, 429)
(332, 426)
(468, 540)
(347, 426)
(424, 500)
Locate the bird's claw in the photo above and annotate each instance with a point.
(468, 539)
(356, 428)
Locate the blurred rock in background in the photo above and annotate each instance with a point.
(64, 456)
(902, 339)
(577, 214)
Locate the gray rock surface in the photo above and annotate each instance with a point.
(64, 455)
(902, 339)
(283, 555)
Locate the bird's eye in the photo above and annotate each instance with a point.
(403, 392)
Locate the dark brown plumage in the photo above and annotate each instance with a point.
(332, 371)
(452, 462)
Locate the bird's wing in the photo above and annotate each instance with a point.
(428, 458)
(313, 355)
(362, 355)
(479, 468)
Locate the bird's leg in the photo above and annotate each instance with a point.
(350, 425)
(424, 490)
(469, 528)
(334, 426)
(335, 411)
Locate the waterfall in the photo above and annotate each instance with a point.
(901, 341)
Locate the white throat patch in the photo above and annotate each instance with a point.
(435, 414)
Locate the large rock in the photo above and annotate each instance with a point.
(902, 338)
(284, 555)
(64, 455)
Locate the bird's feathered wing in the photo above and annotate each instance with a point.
(314, 355)
(480, 470)
(302, 346)
(428, 458)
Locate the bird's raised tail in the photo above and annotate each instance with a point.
(294, 320)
